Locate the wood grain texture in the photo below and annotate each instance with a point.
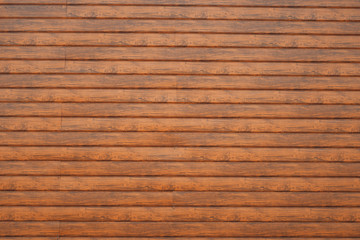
(131, 139)
(180, 214)
(180, 40)
(178, 82)
(154, 238)
(174, 120)
(196, 154)
(308, 3)
(179, 125)
(180, 96)
(180, 68)
(181, 54)
(176, 12)
(106, 168)
(186, 229)
(174, 199)
(179, 110)
(188, 26)
(320, 3)
(174, 183)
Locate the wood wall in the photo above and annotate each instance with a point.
(179, 119)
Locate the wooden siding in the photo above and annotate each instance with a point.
(182, 119)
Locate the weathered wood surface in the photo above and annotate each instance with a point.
(174, 120)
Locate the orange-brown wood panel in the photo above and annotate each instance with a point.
(77, 124)
(177, 12)
(179, 110)
(175, 183)
(180, 54)
(181, 214)
(159, 139)
(179, 40)
(206, 169)
(174, 120)
(183, 26)
(177, 198)
(179, 82)
(180, 154)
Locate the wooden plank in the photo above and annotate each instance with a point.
(179, 82)
(179, 96)
(179, 125)
(49, 110)
(245, 13)
(196, 154)
(14, 183)
(34, 11)
(283, 3)
(32, 53)
(179, 229)
(34, 168)
(213, 54)
(181, 54)
(231, 184)
(173, 199)
(179, 214)
(7, 66)
(178, 110)
(8, 229)
(304, 3)
(180, 40)
(176, 12)
(41, 238)
(33, 2)
(170, 139)
(188, 26)
(182, 68)
(210, 229)
(152, 238)
(245, 169)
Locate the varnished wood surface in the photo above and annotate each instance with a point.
(174, 120)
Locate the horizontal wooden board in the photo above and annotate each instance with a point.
(181, 54)
(179, 110)
(152, 238)
(306, 3)
(235, 184)
(156, 238)
(177, 12)
(51, 238)
(189, 26)
(180, 40)
(180, 229)
(109, 168)
(33, 2)
(196, 154)
(232, 13)
(179, 214)
(179, 82)
(9, 229)
(34, 11)
(179, 124)
(173, 199)
(179, 96)
(182, 68)
(309, 3)
(170, 139)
